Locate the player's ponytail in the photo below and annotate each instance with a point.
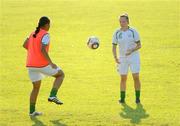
(42, 22)
(36, 31)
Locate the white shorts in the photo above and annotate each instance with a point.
(132, 61)
(36, 74)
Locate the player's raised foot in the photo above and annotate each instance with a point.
(35, 114)
(138, 101)
(55, 100)
(121, 101)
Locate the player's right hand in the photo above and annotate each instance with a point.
(117, 60)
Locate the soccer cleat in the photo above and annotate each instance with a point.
(35, 114)
(55, 100)
(121, 101)
(137, 100)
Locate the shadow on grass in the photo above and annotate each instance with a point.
(57, 122)
(37, 122)
(135, 115)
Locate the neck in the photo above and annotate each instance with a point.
(43, 28)
(124, 28)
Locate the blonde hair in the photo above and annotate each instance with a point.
(124, 15)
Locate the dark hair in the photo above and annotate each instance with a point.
(42, 22)
(126, 16)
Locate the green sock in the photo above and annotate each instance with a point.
(53, 92)
(32, 107)
(137, 94)
(123, 94)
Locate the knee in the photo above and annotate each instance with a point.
(136, 78)
(123, 79)
(36, 86)
(60, 74)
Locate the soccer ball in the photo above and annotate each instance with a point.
(93, 42)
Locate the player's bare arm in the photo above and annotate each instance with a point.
(46, 55)
(114, 48)
(138, 46)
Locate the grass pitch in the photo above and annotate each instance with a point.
(91, 87)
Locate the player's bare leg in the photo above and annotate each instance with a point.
(59, 77)
(123, 88)
(137, 86)
(33, 98)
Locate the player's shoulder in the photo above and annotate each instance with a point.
(46, 35)
(133, 29)
(117, 30)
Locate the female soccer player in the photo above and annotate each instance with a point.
(129, 43)
(39, 64)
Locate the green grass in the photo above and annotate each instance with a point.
(91, 87)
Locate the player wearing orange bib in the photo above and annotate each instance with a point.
(39, 64)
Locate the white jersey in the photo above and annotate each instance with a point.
(126, 40)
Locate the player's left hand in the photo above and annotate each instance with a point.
(129, 52)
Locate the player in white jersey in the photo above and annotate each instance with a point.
(129, 43)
